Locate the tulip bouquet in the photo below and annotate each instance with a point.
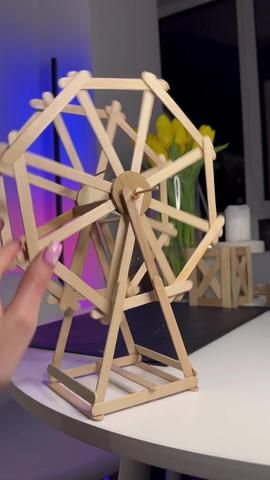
(172, 140)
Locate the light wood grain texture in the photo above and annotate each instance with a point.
(180, 215)
(27, 211)
(77, 266)
(78, 224)
(63, 133)
(6, 234)
(113, 83)
(123, 124)
(171, 168)
(143, 126)
(209, 156)
(39, 104)
(92, 116)
(201, 249)
(72, 384)
(111, 128)
(45, 118)
(158, 285)
(152, 81)
(142, 397)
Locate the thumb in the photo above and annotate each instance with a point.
(26, 303)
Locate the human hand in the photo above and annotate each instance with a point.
(19, 320)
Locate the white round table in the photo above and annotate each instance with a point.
(221, 432)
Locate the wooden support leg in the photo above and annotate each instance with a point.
(62, 338)
(111, 341)
(158, 284)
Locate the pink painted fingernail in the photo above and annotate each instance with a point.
(52, 253)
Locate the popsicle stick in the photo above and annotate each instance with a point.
(158, 252)
(111, 131)
(26, 207)
(201, 249)
(138, 398)
(180, 215)
(63, 337)
(6, 234)
(113, 83)
(60, 170)
(41, 182)
(122, 123)
(63, 133)
(157, 372)
(157, 284)
(111, 340)
(45, 118)
(209, 156)
(152, 81)
(77, 224)
(55, 223)
(81, 287)
(143, 126)
(134, 282)
(163, 227)
(38, 104)
(72, 384)
(90, 368)
(171, 168)
(210, 275)
(134, 378)
(159, 357)
(164, 199)
(77, 265)
(117, 255)
(100, 132)
(95, 237)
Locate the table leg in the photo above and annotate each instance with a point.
(132, 470)
(172, 475)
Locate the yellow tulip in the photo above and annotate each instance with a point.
(164, 131)
(154, 143)
(181, 136)
(206, 130)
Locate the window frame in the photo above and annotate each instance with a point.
(250, 101)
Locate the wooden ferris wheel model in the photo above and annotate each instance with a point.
(97, 202)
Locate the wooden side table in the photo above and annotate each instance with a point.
(223, 277)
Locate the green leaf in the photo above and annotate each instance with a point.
(219, 148)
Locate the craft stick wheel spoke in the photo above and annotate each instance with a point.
(119, 210)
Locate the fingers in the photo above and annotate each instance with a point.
(8, 254)
(18, 323)
(30, 292)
